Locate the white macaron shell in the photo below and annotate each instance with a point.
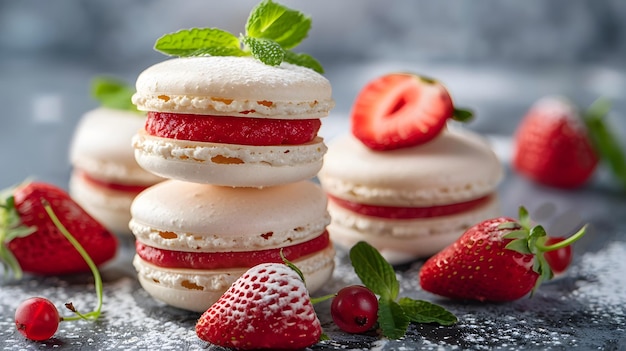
(195, 217)
(109, 207)
(403, 240)
(456, 166)
(234, 86)
(102, 146)
(203, 162)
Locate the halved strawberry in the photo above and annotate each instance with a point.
(401, 110)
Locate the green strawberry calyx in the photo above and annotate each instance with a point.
(271, 32)
(11, 227)
(530, 240)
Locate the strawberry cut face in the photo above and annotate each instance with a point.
(400, 110)
(232, 130)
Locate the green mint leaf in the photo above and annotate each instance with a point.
(462, 115)
(391, 318)
(269, 20)
(113, 93)
(199, 41)
(603, 140)
(304, 60)
(374, 271)
(420, 311)
(265, 50)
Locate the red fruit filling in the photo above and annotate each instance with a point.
(232, 130)
(392, 212)
(217, 260)
(134, 189)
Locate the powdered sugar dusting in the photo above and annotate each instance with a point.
(583, 309)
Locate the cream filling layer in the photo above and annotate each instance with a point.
(207, 105)
(202, 152)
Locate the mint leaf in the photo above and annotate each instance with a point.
(265, 50)
(374, 271)
(304, 60)
(420, 311)
(603, 140)
(391, 319)
(199, 41)
(113, 93)
(269, 20)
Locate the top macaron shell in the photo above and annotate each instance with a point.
(233, 86)
(454, 167)
(102, 147)
(192, 217)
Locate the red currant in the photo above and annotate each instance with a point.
(37, 318)
(558, 259)
(354, 309)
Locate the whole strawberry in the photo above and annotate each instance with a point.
(401, 110)
(500, 259)
(31, 242)
(558, 145)
(266, 308)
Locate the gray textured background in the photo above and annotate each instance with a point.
(496, 56)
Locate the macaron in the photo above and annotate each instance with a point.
(410, 202)
(105, 177)
(194, 240)
(231, 121)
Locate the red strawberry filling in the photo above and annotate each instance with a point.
(217, 260)
(392, 212)
(232, 130)
(134, 189)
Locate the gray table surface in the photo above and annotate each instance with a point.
(584, 309)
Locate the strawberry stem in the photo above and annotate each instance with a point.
(561, 244)
(94, 269)
(319, 299)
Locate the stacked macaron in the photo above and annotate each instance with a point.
(105, 177)
(239, 140)
(402, 180)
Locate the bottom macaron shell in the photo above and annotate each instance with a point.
(109, 207)
(226, 164)
(196, 290)
(403, 240)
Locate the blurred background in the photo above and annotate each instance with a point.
(495, 56)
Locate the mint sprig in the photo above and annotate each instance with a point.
(604, 142)
(272, 30)
(113, 93)
(394, 316)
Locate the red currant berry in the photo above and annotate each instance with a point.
(354, 309)
(558, 259)
(37, 318)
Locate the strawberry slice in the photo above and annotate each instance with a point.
(402, 110)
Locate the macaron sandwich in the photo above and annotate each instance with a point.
(235, 130)
(231, 120)
(402, 180)
(105, 177)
